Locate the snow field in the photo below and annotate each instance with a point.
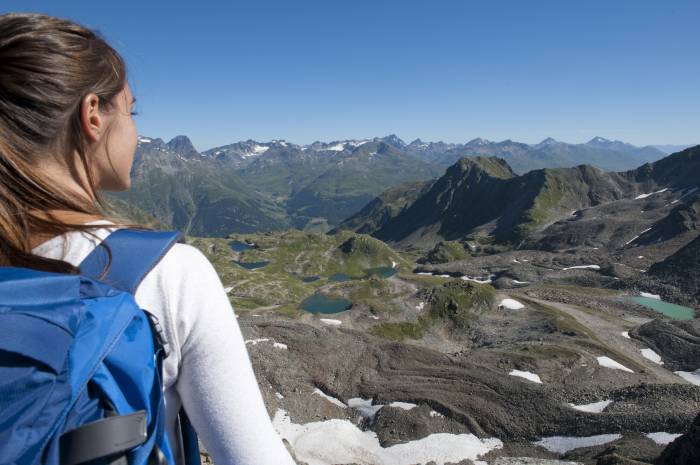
(340, 441)
(582, 267)
(595, 407)
(527, 375)
(662, 438)
(511, 304)
(607, 362)
(651, 355)
(563, 444)
(692, 377)
(330, 399)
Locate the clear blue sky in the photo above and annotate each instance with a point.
(220, 72)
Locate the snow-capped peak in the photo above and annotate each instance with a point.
(548, 141)
(478, 141)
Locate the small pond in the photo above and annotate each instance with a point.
(677, 312)
(310, 279)
(383, 271)
(339, 278)
(238, 246)
(251, 265)
(321, 303)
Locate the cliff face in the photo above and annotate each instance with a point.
(685, 450)
(682, 269)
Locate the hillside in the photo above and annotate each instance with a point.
(482, 196)
(195, 195)
(256, 186)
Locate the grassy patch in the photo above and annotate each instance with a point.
(460, 301)
(403, 330)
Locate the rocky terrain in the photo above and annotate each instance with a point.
(513, 357)
(482, 317)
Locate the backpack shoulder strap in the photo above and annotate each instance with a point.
(134, 253)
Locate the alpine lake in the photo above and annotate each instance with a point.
(318, 302)
(673, 311)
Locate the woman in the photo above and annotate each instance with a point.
(66, 133)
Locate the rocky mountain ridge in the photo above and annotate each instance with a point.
(482, 197)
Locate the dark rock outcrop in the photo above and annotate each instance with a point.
(685, 450)
(678, 342)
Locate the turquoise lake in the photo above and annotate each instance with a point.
(339, 278)
(321, 303)
(677, 312)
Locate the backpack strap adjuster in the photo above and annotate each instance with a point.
(158, 334)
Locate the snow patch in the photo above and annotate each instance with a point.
(626, 334)
(644, 196)
(340, 441)
(256, 341)
(278, 395)
(607, 362)
(651, 355)
(650, 296)
(582, 267)
(520, 282)
(433, 413)
(393, 264)
(420, 306)
(480, 280)
(511, 304)
(365, 407)
(527, 375)
(563, 444)
(339, 147)
(279, 345)
(258, 149)
(692, 377)
(330, 399)
(637, 236)
(228, 289)
(595, 407)
(403, 405)
(662, 438)
(330, 321)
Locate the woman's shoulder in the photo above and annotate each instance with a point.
(184, 259)
(184, 270)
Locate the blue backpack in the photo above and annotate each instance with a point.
(81, 363)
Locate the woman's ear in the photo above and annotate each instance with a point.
(92, 121)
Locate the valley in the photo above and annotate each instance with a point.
(424, 353)
(476, 315)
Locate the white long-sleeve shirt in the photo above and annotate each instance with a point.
(208, 369)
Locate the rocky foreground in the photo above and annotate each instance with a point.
(515, 357)
(340, 395)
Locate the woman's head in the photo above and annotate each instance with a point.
(66, 129)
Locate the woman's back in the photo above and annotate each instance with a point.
(208, 369)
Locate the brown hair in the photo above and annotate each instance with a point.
(47, 66)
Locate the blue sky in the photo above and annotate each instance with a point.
(220, 72)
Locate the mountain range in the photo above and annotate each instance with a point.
(255, 186)
(482, 196)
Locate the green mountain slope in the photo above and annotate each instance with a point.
(483, 196)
